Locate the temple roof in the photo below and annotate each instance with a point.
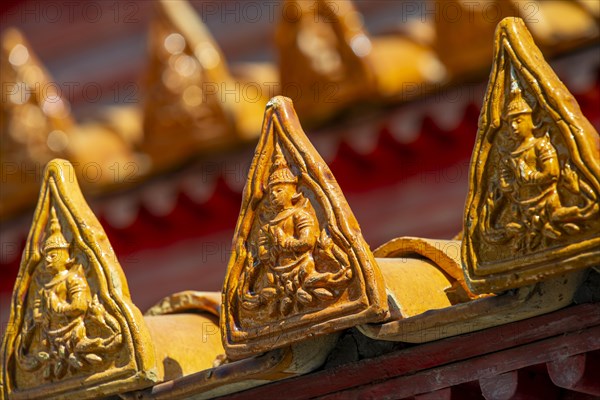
(347, 276)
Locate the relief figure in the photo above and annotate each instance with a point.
(533, 198)
(65, 327)
(294, 264)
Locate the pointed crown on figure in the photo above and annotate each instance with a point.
(55, 239)
(280, 172)
(516, 104)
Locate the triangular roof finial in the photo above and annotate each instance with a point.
(534, 190)
(300, 266)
